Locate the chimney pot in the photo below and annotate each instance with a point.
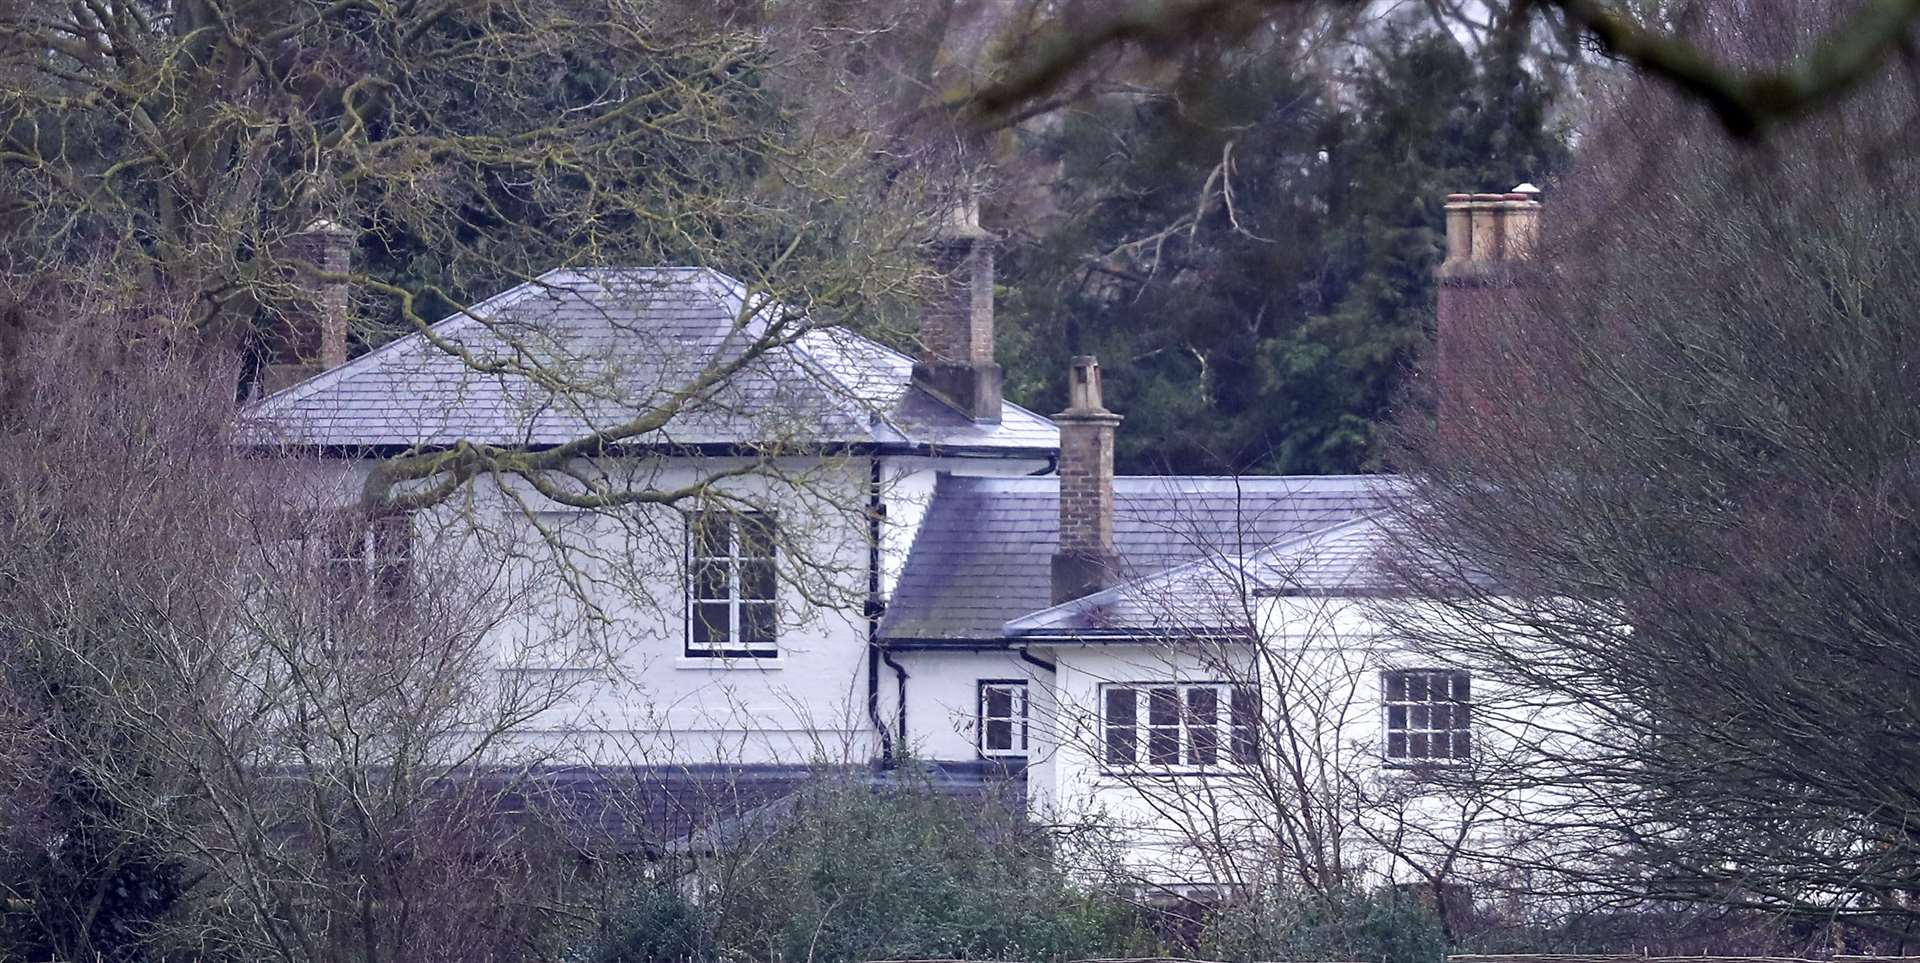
(962, 223)
(1083, 384)
(1483, 229)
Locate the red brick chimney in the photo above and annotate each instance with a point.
(1085, 561)
(956, 326)
(1487, 235)
(311, 333)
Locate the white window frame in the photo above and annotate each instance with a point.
(1018, 719)
(732, 647)
(366, 559)
(1419, 718)
(1234, 747)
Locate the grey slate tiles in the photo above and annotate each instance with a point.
(576, 352)
(983, 555)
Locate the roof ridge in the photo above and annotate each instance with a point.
(848, 390)
(796, 348)
(729, 292)
(1247, 562)
(853, 388)
(477, 313)
(1300, 541)
(1113, 593)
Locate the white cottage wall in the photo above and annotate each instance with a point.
(599, 616)
(943, 709)
(1319, 669)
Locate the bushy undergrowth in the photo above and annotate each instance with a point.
(857, 874)
(1380, 926)
(854, 874)
(654, 924)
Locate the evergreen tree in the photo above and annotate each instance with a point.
(1253, 266)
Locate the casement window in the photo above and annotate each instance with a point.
(732, 588)
(1183, 727)
(1003, 718)
(367, 559)
(1429, 716)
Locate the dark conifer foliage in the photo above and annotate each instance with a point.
(1251, 253)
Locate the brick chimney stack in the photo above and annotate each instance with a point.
(956, 327)
(311, 336)
(1085, 561)
(1487, 235)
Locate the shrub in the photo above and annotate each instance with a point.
(856, 873)
(1380, 925)
(654, 925)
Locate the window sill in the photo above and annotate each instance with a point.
(1126, 776)
(721, 663)
(1427, 765)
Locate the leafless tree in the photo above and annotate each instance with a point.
(1250, 748)
(182, 150)
(237, 731)
(187, 153)
(1674, 504)
(1748, 96)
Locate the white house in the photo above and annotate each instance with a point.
(879, 559)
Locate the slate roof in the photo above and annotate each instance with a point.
(1210, 593)
(617, 342)
(983, 556)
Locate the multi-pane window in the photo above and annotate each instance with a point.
(1429, 715)
(1003, 718)
(1179, 727)
(732, 603)
(367, 559)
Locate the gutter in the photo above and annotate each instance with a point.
(1091, 637)
(875, 609)
(682, 450)
(1029, 658)
(951, 645)
(900, 679)
(1075, 637)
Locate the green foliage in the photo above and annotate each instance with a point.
(1272, 333)
(1382, 926)
(487, 230)
(655, 925)
(858, 874)
(867, 876)
(855, 874)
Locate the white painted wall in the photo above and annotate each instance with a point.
(942, 688)
(1319, 671)
(596, 624)
(604, 617)
(626, 693)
